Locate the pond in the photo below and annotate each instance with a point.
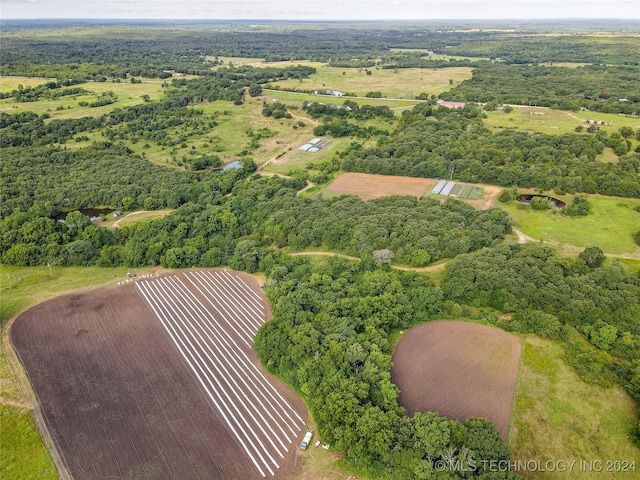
(92, 213)
(526, 198)
(232, 166)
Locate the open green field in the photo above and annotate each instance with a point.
(229, 139)
(436, 56)
(609, 226)
(128, 94)
(8, 84)
(236, 61)
(554, 122)
(24, 457)
(557, 416)
(23, 453)
(294, 98)
(297, 160)
(404, 83)
(129, 218)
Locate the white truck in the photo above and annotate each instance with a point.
(306, 440)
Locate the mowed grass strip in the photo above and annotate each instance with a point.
(465, 191)
(9, 84)
(295, 98)
(557, 416)
(475, 193)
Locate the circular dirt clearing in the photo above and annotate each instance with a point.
(459, 370)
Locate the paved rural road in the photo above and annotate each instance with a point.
(430, 268)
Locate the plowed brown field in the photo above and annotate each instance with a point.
(459, 370)
(368, 186)
(157, 379)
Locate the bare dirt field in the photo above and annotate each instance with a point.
(459, 370)
(157, 379)
(368, 186)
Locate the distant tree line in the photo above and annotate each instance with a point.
(349, 109)
(535, 49)
(598, 88)
(440, 142)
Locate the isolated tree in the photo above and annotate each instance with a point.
(592, 257)
(626, 132)
(77, 222)
(383, 256)
(255, 90)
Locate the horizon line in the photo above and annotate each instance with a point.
(546, 19)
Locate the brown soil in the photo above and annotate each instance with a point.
(488, 199)
(121, 400)
(368, 186)
(459, 370)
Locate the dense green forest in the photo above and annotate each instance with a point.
(598, 88)
(618, 50)
(329, 340)
(332, 324)
(436, 142)
(213, 230)
(549, 294)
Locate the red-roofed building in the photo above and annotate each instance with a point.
(451, 104)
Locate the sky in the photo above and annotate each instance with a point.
(318, 9)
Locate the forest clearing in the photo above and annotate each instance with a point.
(459, 370)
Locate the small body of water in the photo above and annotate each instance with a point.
(526, 198)
(236, 165)
(92, 213)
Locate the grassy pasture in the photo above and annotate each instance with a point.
(405, 83)
(293, 98)
(8, 84)
(554, 122)
(557, 416)
(24, 457)
(435, 56)
(609, 226)
(132, 217)
(228, 138)
(236, 61)
(297, 160)
(23, 453)
(128, 94)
